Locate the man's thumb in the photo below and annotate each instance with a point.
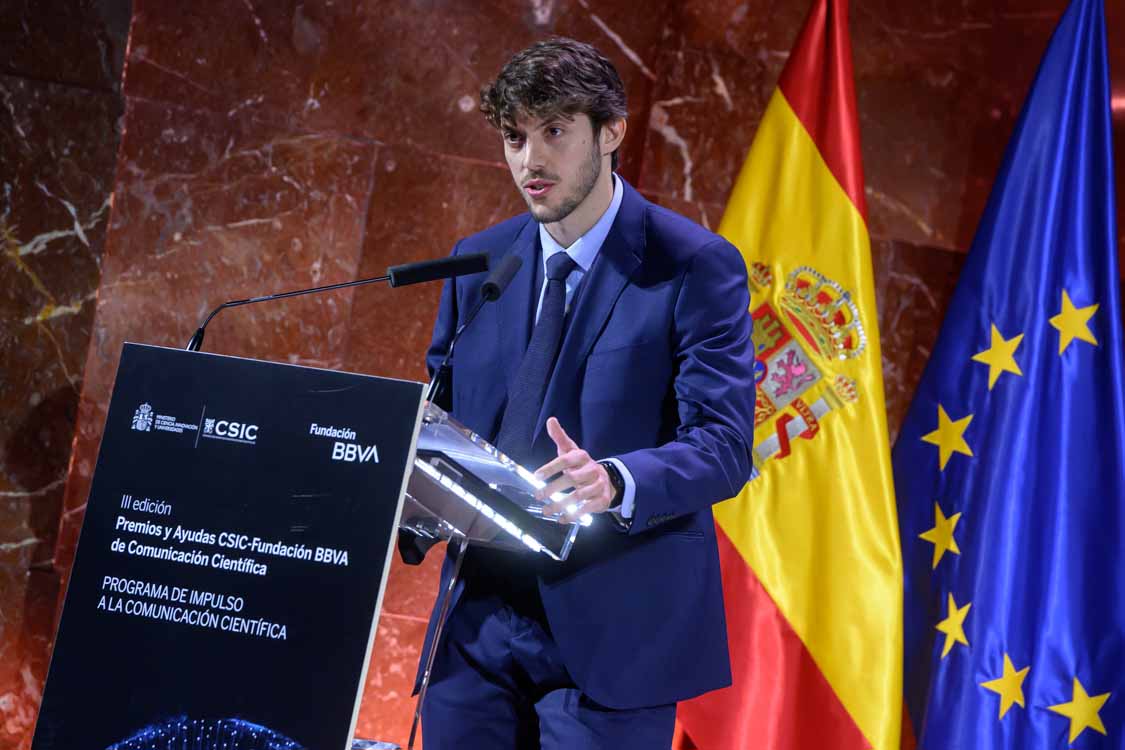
(558, 434)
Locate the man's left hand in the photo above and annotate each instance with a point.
(586, 479)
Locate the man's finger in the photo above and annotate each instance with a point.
(558, 434)
(565, 461)
(585, 495)
(585, 473)
(571, 478)
(562, 484)
(593, 498)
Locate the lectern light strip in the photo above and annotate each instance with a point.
(485, 510)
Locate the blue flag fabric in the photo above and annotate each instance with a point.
(1010, 467)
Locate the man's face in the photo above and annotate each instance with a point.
(555, 161)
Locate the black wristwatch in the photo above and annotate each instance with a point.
(615, 480)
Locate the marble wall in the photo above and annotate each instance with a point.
(267, 146)
(60, 100)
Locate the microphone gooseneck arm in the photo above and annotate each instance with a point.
(400, 275)
(443, 368)
(197, 337)
(490, 290)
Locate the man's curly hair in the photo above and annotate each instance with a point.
(557, 76)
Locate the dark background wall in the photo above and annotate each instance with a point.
(245, 146)
(60, 100)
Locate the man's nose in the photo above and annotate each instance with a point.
(534, 155)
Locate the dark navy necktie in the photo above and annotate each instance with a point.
(526, 396)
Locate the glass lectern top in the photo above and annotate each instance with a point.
(441, 434)
(463, 487)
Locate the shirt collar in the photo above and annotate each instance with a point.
(586, 247)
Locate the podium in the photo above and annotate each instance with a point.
(465, 491)
(235, 549)
(462, 487)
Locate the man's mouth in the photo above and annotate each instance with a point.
(537, 188)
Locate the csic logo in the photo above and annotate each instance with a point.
(225, 429)
(142, 418)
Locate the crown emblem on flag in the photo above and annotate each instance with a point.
(823, 313)
(804, 332)
(846, 389)
(761, 277)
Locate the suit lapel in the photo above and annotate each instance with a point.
(616, 261)
(513, 323)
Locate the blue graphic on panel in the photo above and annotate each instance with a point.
(1010, 467)
(209, 734)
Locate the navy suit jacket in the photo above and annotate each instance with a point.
(655, 369)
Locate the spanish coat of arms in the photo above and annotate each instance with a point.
(810, 329)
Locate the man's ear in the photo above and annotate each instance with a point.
(612, 134)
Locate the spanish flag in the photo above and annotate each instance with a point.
(812, 571)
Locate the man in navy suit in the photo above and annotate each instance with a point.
(618, 361)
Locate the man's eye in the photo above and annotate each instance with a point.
(513, 138)
(556, 132)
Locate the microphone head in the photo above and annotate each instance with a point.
(500, 277)
(434, 270)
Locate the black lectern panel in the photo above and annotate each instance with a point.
(233, 556)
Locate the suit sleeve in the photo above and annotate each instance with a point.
(710, 458)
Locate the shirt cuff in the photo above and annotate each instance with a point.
(629, 495)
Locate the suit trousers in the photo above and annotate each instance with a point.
(499, 682)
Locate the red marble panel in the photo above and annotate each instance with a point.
(401, 73)
(57, 145)
(704, 112)
(421, 205)
(940, 88)
(79, 42)
(25, 649)
(412, 589)
(387, 708)
(211, 207)
(913, 287)
(704, 213)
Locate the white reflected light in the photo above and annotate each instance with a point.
(487, 511)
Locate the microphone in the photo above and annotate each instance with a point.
(490, 291)
(432, 270)
(500, 277)
(400, 275)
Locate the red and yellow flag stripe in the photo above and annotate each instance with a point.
(812, 572)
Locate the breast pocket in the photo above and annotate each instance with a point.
(478, 390)
(633, 372)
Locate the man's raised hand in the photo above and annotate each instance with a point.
(584, 478)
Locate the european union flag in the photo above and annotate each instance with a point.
(1010, 468)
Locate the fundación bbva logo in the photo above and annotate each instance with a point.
(142, 418)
